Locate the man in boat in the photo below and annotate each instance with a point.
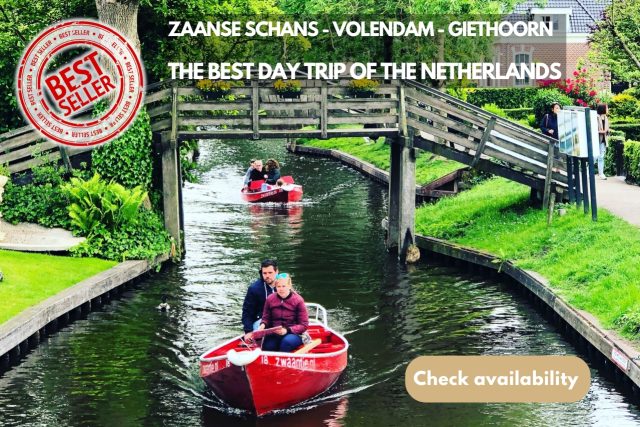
(256, 296)
(254, 173)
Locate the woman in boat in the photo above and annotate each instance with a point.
(272, 170)
(284, 308)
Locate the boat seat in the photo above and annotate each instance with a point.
(308, 347)
(288, 179)
(256, 185)
(327, 348)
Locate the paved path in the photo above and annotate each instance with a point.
(35, 238)
(619, 198)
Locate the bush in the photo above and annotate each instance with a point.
(127, 159)
(632, 161)
(110, 217)
(494, 109)
(95, 202)
(143, 239)
(40, 202)
(623, 105)
(543, 100)
(518, 113)
(631, 128)
(502, 97)
(531, 120)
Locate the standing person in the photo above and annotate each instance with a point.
(603, 133)
(272, 169)
(549, 123)
(254, 173)
(257, 294)
(286, 309)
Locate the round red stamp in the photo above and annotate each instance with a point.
(66, 70)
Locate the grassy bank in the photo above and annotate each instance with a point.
(31, 278)
(428, 166)
(593, 266)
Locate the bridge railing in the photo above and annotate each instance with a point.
(256, 110)
(473, 136)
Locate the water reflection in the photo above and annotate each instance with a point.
(130, 364)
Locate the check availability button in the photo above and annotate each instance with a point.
(497, 379)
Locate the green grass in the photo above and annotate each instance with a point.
(32, 278)
(428, 166)
(595, 266)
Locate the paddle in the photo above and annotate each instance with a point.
(261, 333)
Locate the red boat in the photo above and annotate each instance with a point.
(264, 381)
(260, 192)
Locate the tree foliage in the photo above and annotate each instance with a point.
(615, 41)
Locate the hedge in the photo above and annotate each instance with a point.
(518, 113)
(632, 161)
(614, 157)
(631, 129)
(503, 97)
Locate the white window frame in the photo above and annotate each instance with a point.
(527, 80)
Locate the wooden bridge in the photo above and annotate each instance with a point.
(409, 114)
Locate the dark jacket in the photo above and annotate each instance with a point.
(253, 175)
(549, 121)
(254, 303)
(273, 176)
(289, 312)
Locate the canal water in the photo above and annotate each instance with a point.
(131, 365)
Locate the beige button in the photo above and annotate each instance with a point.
(497, 379)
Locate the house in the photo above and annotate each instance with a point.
(572, 22)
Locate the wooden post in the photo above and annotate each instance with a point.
(170, 178)
(485, 137)
(324, 112)
(402, 186)
(255, 108)
(64, 154)
(548, 177)
(395, 176)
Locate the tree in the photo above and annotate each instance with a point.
(121, 15)
(615, 41)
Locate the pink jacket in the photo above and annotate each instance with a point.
(289, 312)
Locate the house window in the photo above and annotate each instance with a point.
(522, 58)
(552, 20)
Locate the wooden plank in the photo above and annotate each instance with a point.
(160, 109)
(382, 90)
(492, 152)
(483, 164)
(508, 145)
(214, 121)
(309, 91)
(444, 121)
(308, 347)
(449, 137)
(214, 106)
(445, 107)
(27, 152)
(157, 96)
(370, 104)
(19, 141)
(483, 141)
(273, 133)
(193, 91)
(286, 121)
(37, 161)
(324, 111)
(534, 139)
(16, 132)
(161, 125)
(364, 118)
(174, 115)
(289, 106)
(255, 108)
